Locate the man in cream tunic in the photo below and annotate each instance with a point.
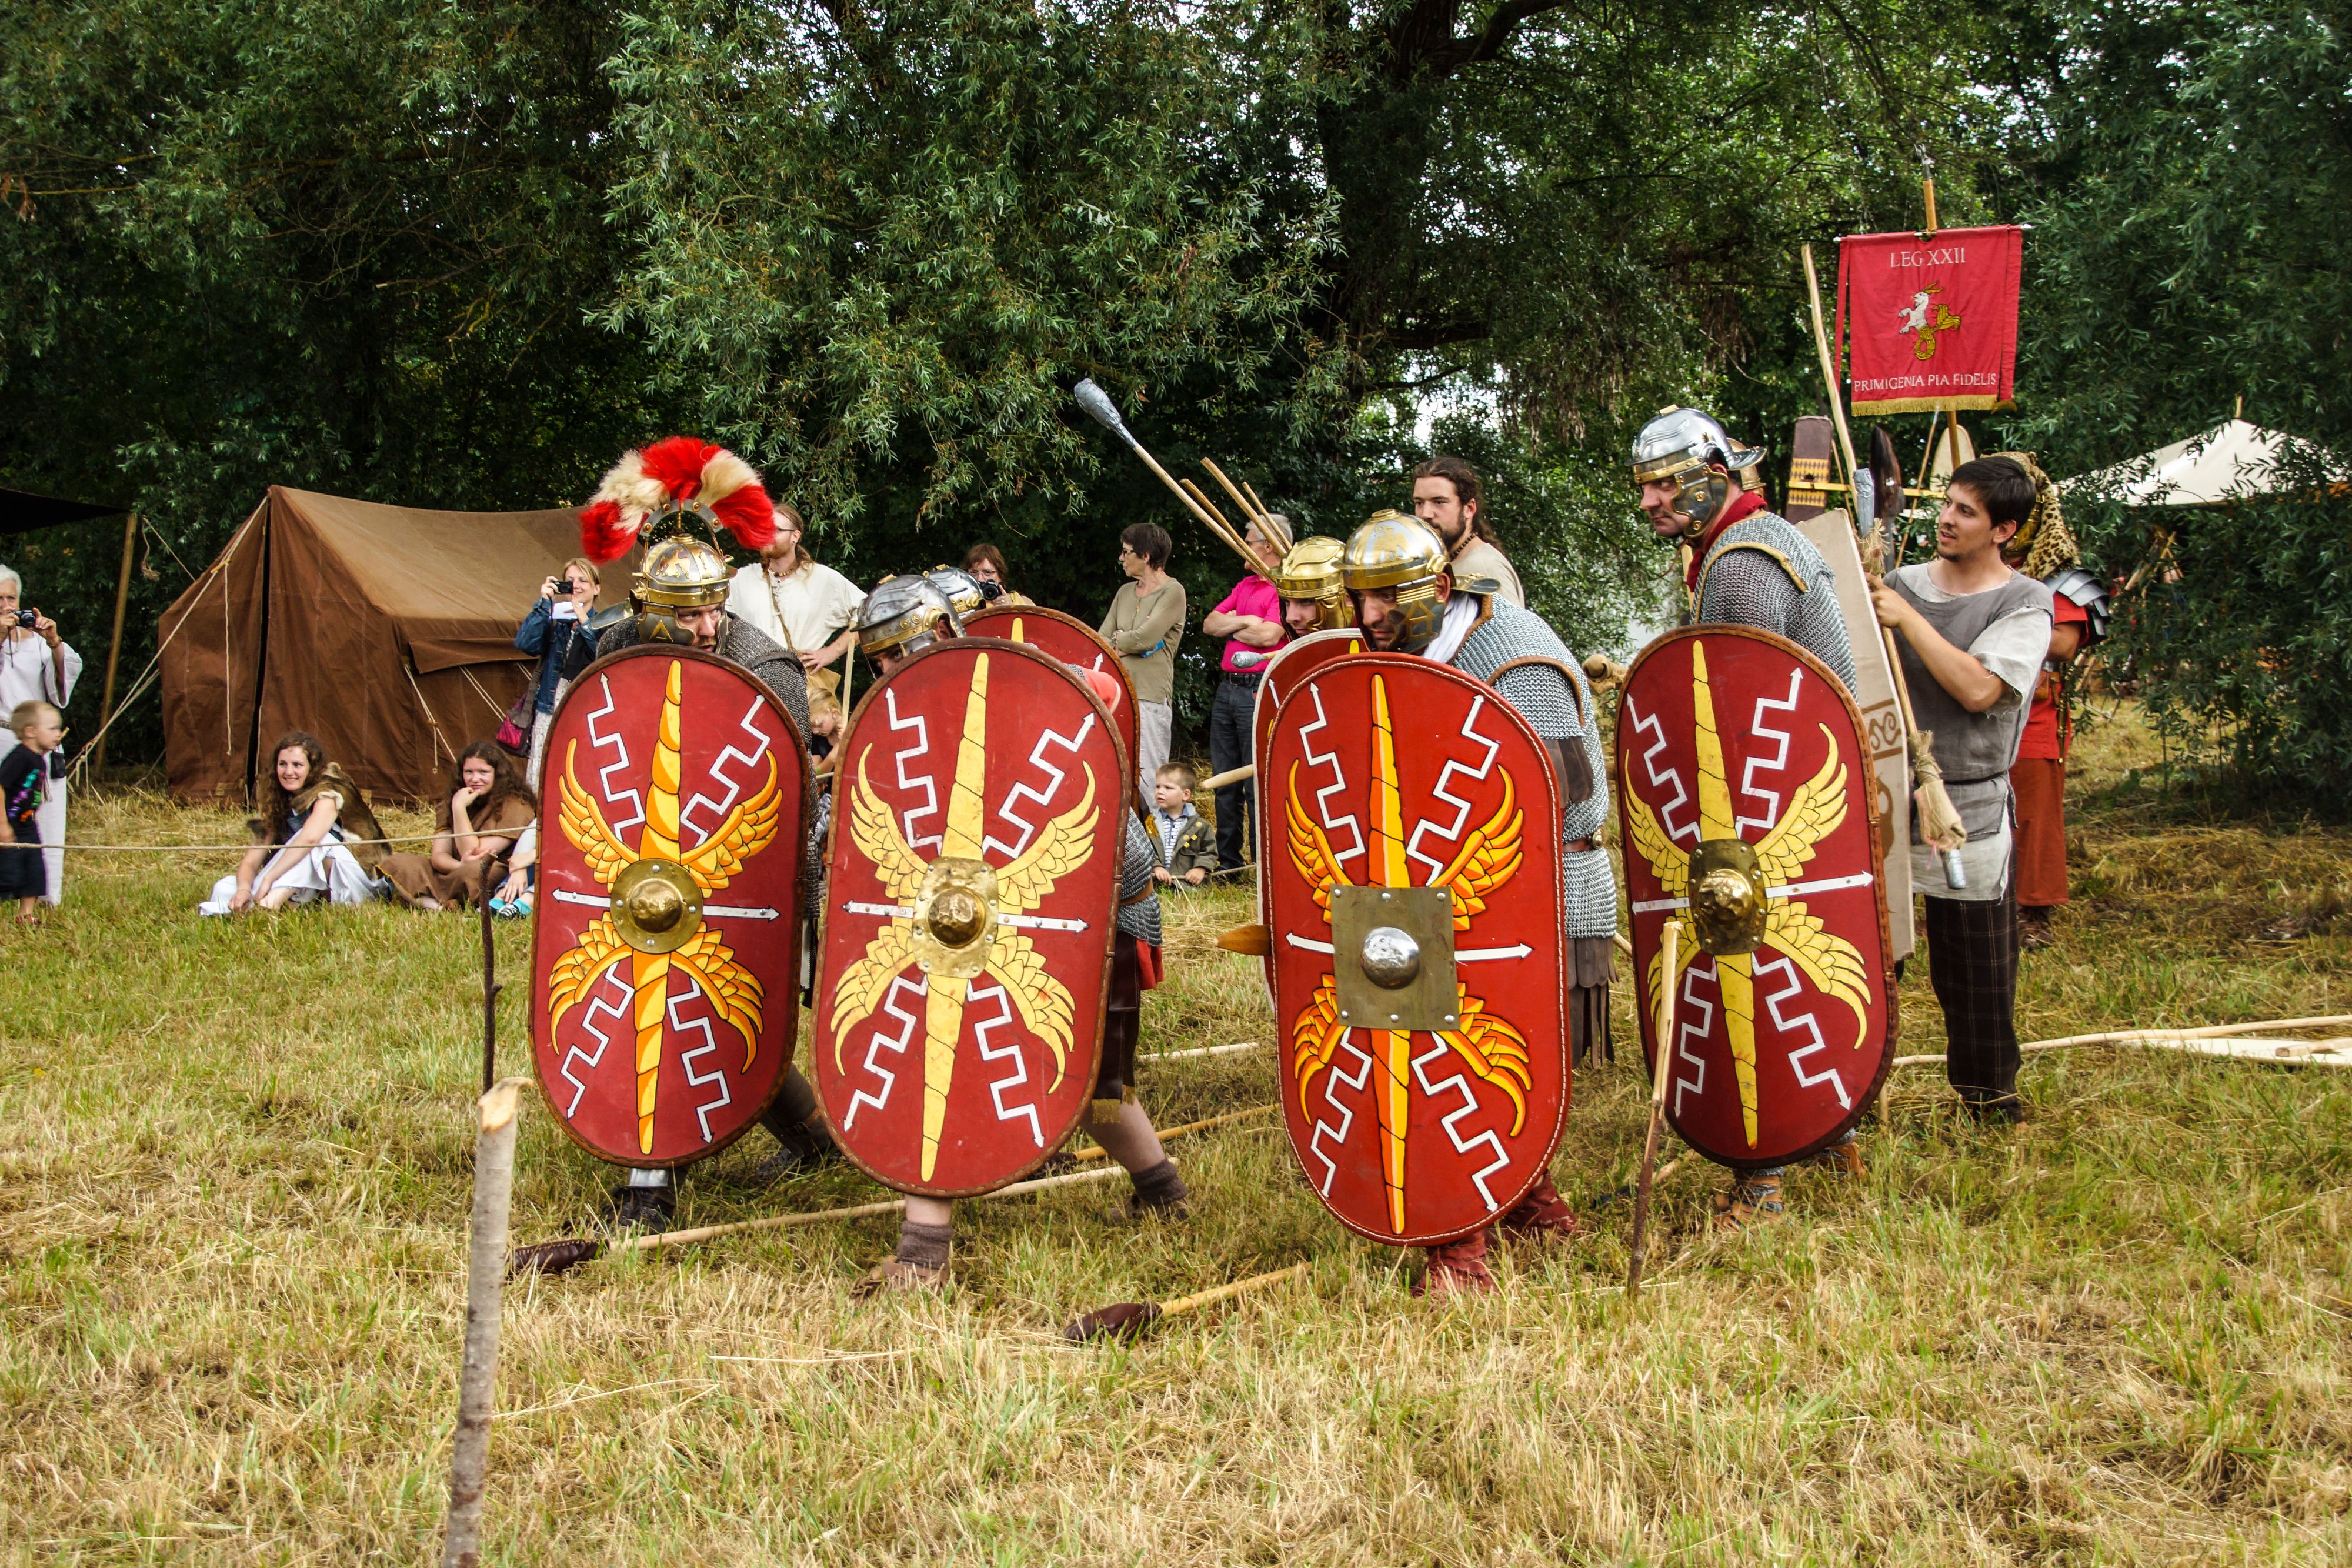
(798, 601)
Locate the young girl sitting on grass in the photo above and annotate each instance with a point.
(23, 775)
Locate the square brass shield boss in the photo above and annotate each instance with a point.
(1392, 958)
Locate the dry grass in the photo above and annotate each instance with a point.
(236, 1174)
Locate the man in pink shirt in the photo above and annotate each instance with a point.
(1250, 620)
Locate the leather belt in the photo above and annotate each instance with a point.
(1244, 676)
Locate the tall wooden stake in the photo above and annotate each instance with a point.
(492, 876)
(1662, 1069)
(486, 1272)
(114, 644)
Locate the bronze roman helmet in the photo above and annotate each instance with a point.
(1311, 571)
(1392, 550)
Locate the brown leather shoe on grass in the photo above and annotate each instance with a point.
(1841, 1158)
(1750, 1202)
(1456, 1268)
(894, 1275)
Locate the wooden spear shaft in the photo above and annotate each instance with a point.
(486, 1269)
(1661, 1069)
(114, 643)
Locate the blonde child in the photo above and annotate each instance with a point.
(24, 774)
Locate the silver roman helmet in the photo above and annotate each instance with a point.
(962, 589)
(902, 615)
(1394, 551)
(1677, 448)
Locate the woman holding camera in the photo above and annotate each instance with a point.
(486, 809)
(560, 615)
(37, 665)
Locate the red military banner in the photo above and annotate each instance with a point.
(977, 838)
(1069, 640)
(1933, 320)
(1745, 795)
(666, 937)
(1416, 913)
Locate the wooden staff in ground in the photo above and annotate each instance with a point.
(469, 1454)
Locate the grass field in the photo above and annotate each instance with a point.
(233, 1175)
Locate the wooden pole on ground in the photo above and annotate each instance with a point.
(491, 876)
(486, 1271)
(1661, 1070)
(114, 643)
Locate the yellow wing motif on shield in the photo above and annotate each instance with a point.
(1310, 851)
(734, 993)
(1829, 961)
(1814, 813)
(574, 975)
(875, 833)
(585, 825)
(1043, 1003)
(744, 834)
(1669, 864)
(1487, 860)
(1061, 847)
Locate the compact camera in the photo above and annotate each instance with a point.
(27, 618)
(566, 587)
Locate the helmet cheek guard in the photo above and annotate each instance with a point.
(1401, 555)
(1689, 450)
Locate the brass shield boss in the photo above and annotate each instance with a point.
(1392, 958)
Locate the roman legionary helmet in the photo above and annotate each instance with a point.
(1677, 448)
(1394, 551)
(963, 590)
(901, 616)
(1311, 571)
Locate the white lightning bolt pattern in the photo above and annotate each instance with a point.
(717, 1075)
(1673, 776)
(1777, 763)
(877, 1042)
(588, 1025)
(720, 809)
(1469, 1107)
(1805, 1021)
(605, 775)
(1694, 1019)
(1044, 802)
(921, 748)
(1338, 784)
(1461, 808)
(1347, 1117)
(1009, 1051)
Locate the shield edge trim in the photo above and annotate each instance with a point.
(1102, 993)
(1537, 1168)
(791, 1032)
(1260, 823)
(1644, 1024)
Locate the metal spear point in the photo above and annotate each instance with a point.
(1096, 402)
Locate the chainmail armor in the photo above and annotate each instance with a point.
(769, 662)
(1139, 920)
(1554, 710)
(1748, 588)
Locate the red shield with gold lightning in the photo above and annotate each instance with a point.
(1415, 906)
(1292, 663)
(666, 935)
(1745, 796)
(1073, 642)
(977, 832)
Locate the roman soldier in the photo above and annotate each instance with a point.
(1747, 567)
(2045, 549)
(905, 616)
(680, 598)
(1314, 599)
(1408, 600)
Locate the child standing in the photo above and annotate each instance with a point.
(1188, 849)
(24, 772)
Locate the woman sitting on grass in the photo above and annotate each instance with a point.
(298, 855)
(487, 807)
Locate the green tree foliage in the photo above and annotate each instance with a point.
(2185, 168)
(344, 245)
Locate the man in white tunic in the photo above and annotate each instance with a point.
(37, 665)
(799, 601)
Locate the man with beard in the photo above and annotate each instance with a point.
(1448, 499)
(1409, 599)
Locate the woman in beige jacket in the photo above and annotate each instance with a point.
(1146, 623)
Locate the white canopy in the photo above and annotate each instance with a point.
(2234, 462)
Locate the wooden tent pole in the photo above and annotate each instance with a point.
(114, 644)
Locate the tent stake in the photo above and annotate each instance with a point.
(114, 644)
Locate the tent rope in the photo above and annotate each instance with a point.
(408, 668)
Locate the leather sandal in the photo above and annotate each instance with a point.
(894, 1275)
(1749, 1200)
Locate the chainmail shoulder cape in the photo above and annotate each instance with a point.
(1558, 705)
(1764, 572)
(1139, 920)
(771, 664)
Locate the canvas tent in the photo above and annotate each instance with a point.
(388, 632)
(2236, 461)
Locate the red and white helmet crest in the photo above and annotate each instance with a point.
(674, 469)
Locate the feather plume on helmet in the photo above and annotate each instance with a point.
(677, 474)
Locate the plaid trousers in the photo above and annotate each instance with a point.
(1972, 963)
